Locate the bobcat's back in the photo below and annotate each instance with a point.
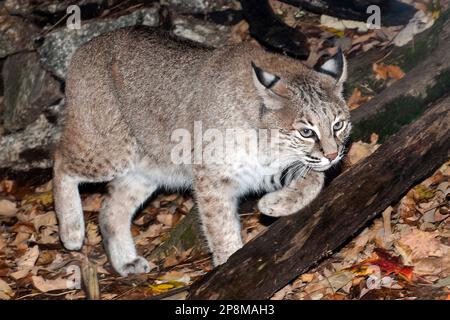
(133, 82)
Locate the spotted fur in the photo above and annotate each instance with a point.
(126, 93)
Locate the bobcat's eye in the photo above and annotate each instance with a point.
(338, 125)
(306, 133)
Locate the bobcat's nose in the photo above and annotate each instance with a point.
(331, 156)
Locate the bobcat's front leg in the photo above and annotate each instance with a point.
(290, 199)
(218, 215)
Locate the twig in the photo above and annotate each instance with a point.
(54, 26)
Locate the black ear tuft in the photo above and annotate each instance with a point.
(335, 66)
(268, 80)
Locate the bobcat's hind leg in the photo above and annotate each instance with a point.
(68, 207)
(126, 194)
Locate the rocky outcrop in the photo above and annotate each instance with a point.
(59, 45)
(30, 148)
(15, 35)
(197, 6)
(28, 91)
(196, 30)
(27, 7)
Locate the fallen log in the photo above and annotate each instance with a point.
(271, 31)
(394, 12)
(407, 57)
(406, 99)
(295, 243)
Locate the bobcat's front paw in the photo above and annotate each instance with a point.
(71, 237)
(275, 204)
(136, 266)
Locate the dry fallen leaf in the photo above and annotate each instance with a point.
(7, 208)
(164, 287)
(407, 207)
(307, 277)
(28, 260)
(380, 70)
(420, 244)
(44, 199)
(20, 238)
(384, 72)
(46, 219)
(5, 290)
(3, 243)
(339, 279)
(386, 262)
(152, 231)
(48, 235)
(239, 32)
(350, 252)
(422, 193)
(176, 258)
(46, 187)
(360, 150)
(93, 235)
(7, 186)
(362, 38)
(46, 257)
(175, 276)
(356, 99)
(26, 263)
(93, 202)
(166, 219)
(279, 295)
(395, 72)
(428, 266)
(44, 285)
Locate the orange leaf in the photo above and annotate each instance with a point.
(356, 99)
(395, 72)
(387, 263)
(384, 72)
(380, 71)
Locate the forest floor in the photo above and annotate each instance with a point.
(404, 254)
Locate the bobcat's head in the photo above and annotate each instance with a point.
(308, 110)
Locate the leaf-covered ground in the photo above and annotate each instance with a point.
(405, 254)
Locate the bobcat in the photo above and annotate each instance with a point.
(128, 90)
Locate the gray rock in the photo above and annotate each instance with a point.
(60, 44)
(198, 6)
(29, 149)
(26, 7)
(18, 7)
(200, 31)
(15, 35)
(28, 90)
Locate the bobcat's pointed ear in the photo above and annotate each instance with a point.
(267, 84)
(264, 78)
(336, 67)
